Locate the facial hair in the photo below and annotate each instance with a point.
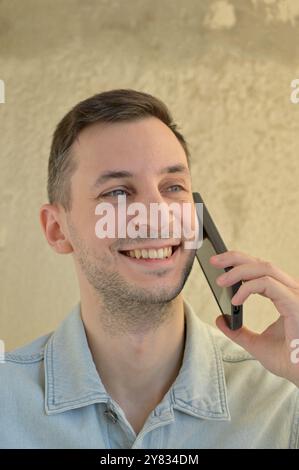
(124, 307)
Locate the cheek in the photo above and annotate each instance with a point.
(103, 247)
(189, 226)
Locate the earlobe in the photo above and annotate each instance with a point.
(50, 220)
(63, 247)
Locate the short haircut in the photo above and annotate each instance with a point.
(106, 107)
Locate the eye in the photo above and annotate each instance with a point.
(112, 193)
(115, 192)
(177, 186)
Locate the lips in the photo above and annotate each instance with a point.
(153, 261)
(127, 252)
(154, 247)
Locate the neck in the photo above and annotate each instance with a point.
(139, 362)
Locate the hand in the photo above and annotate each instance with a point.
(277, 348)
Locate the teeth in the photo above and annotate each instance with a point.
(151, 253)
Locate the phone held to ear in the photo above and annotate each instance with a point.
(213, 244)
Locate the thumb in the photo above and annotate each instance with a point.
(244, 337)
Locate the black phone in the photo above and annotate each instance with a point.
(212, 244)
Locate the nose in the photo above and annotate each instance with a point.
(156, 219)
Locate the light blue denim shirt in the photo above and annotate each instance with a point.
(51, 396)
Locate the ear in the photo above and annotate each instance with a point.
(51, 222)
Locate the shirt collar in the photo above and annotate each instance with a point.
(72, 380)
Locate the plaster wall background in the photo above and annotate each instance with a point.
(224, 69)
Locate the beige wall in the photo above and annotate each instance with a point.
(223, 67)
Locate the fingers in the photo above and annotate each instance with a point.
(285, 300)
(243, 336)
(246, 272)
(259, 345)
(248, 267)
(232, 258)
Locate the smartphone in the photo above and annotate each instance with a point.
(213, 244)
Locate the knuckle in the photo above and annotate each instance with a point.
(268, 265)
(295, 291)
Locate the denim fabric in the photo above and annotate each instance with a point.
(51, 396)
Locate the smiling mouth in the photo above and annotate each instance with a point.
(151, 254)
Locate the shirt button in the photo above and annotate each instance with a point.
(111, 415)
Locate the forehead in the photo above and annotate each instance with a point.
(144, 143)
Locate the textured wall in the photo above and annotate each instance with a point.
(223, 67)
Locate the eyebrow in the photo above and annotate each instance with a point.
(116, 174)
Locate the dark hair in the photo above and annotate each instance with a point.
(109, 106)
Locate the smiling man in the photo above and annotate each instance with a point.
(132, 366)
(129, 304)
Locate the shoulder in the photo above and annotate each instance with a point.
(22, 387)
(22, 366)
(29, 353)
(243, 371)
(230, 351)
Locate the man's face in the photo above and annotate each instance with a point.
(143, 148)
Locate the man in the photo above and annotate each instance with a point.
(133, 366)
